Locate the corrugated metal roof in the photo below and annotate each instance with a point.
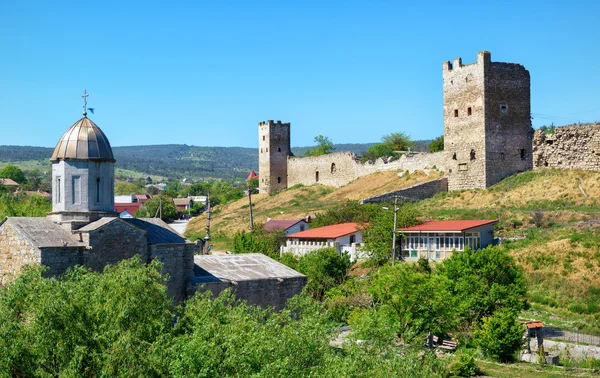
(328, 232)
(158, 232)
(280, 224)
(83, 141)
(242, 267)
(447, 225)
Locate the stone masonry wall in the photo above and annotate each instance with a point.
(112, 243)
(414, 193)
(11, 262)
(178, 263)
(340, 168)
(568, 147)
(264, 293)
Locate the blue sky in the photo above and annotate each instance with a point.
(206, 72)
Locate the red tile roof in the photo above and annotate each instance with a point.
(447, 225)
(280, 224)
(131, 208)
(251, 175)
(328, 232)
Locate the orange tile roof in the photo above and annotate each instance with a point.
(328, 232)
(535, 324)
(447, 225)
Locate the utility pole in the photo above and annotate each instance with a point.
(250, 207)
(207, 236)
(394, 233)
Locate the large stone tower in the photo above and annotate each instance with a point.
(487, 121)
(82, 176)
(273, 151)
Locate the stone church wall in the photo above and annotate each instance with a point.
(178, 263)
(568, 147)
(112, 243)
(15, 253)
(264, 293)
(340, 168)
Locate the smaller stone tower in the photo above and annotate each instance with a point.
(273, 152)
(82, 176)
(487, 124)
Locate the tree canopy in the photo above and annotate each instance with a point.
(324, 146)
(436, 145)
(14, 173)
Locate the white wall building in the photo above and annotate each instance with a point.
(345, 237)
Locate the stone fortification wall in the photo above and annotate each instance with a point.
(340, 168)
(15, 253)
(264, 293)
(178, 263)
(414, 193)
(568, 147)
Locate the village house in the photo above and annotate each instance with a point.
(439, 239)
(10, 184)
(345, 237)
(289, 226)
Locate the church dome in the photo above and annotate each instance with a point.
(83, 141)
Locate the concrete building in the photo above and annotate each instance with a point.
(438, 240)
(289, 226)
(256, 278)
(345, 237)
(487, 121)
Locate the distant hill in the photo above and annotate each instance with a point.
(172, 160)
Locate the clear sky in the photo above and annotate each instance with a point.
(206, 72)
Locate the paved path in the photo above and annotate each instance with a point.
(179, 226)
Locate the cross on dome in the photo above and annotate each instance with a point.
(85, 96)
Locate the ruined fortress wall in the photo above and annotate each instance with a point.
(15, 253)
(340, 168)
(568, 147)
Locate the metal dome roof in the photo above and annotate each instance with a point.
(83, 141)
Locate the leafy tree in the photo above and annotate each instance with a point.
(500, 336)
(84, 323)
(150, 208)
(152, 190)
(483, 282)
(124, 187)
(420, 302)
(324, 146)
(23, 205)
(259, 241)
(380, 233)
(14, 173)
(399, 141)
(325, 269)
(437, 144)
(349, 211)
(252, 183)
(378, 150)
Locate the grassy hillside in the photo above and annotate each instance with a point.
(556, 211)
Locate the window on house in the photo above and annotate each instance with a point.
(455, 112)
(317, 176)
(352, 239)
(332, 167)
(279, 180)
(301, 227)
(469, 111)
(523, 154)
(472, 154)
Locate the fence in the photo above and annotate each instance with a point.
(573, 337)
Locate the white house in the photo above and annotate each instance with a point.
(438, 239)
(345, 237)
(125, 198)
(289, 226)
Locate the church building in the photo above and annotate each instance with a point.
(83, 228)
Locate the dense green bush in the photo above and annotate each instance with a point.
(500, 336)
(264, 242)
(325, 268)
(22, 205)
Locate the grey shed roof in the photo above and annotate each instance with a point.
(158, 232)
(83, 141)
(242, 267)
(43, 233)
(97, 224)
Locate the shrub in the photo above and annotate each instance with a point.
(500, 336)
(325, 269)
(464, 365)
